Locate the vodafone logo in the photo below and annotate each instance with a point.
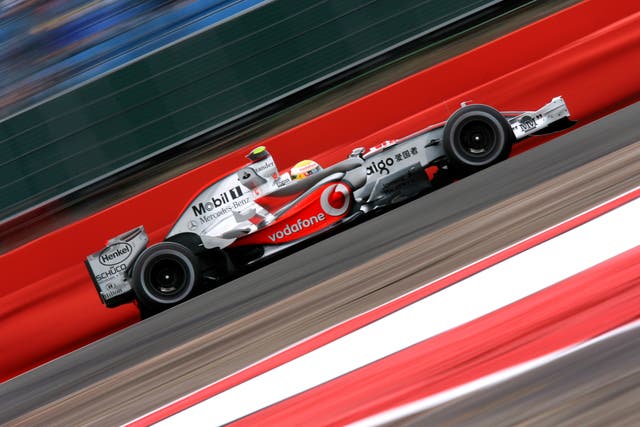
(335, 199)
(297, 227)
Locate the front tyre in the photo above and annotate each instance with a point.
(165, 275)
(476, 137)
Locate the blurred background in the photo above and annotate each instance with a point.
(48, 46)
(115, 113)
(97, 93)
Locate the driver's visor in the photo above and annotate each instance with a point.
(305, 174)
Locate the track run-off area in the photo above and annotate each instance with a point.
(482, 318)
(55, 305)
(162, 359)
(219, 340)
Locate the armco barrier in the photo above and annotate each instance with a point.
(200, 84)
(590, 45)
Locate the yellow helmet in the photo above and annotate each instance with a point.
(304, 169)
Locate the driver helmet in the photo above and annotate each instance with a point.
(304, 169)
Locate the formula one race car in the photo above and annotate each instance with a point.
(257, 211)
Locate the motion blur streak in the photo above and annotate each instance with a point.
(396, 414)
(596, 48)
(155, 362)
(446, 345)
(586, 305)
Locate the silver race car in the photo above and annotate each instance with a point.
(258, 211)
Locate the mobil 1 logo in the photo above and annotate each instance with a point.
(217, 201)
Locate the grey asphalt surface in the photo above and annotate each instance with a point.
(158, 360)
(597, 386)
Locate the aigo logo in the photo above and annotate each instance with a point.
(381, 166)
(336, 199)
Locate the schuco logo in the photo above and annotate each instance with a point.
(115, 254)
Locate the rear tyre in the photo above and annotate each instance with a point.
(165, 275)
(476, 137)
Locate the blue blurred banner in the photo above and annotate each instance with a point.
(49, 46)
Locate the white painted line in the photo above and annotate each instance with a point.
(427, 403)
(505, 283)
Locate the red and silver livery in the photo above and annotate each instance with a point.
(258, 210)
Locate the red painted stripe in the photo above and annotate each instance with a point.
(358, 322)
(577, 309)
(591, 45)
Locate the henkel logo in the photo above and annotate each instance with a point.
(217, 201)
(115, 254)
(297, 227)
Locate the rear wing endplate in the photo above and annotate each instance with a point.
(110, 267)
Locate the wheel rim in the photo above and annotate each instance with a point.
(167, 276)
(477, 138)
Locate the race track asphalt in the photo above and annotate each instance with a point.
(151, 363)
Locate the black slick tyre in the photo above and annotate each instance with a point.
(476, 137)
(164, 275)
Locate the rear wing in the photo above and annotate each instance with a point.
(110, 267)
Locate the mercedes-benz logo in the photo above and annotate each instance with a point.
(193, 224)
